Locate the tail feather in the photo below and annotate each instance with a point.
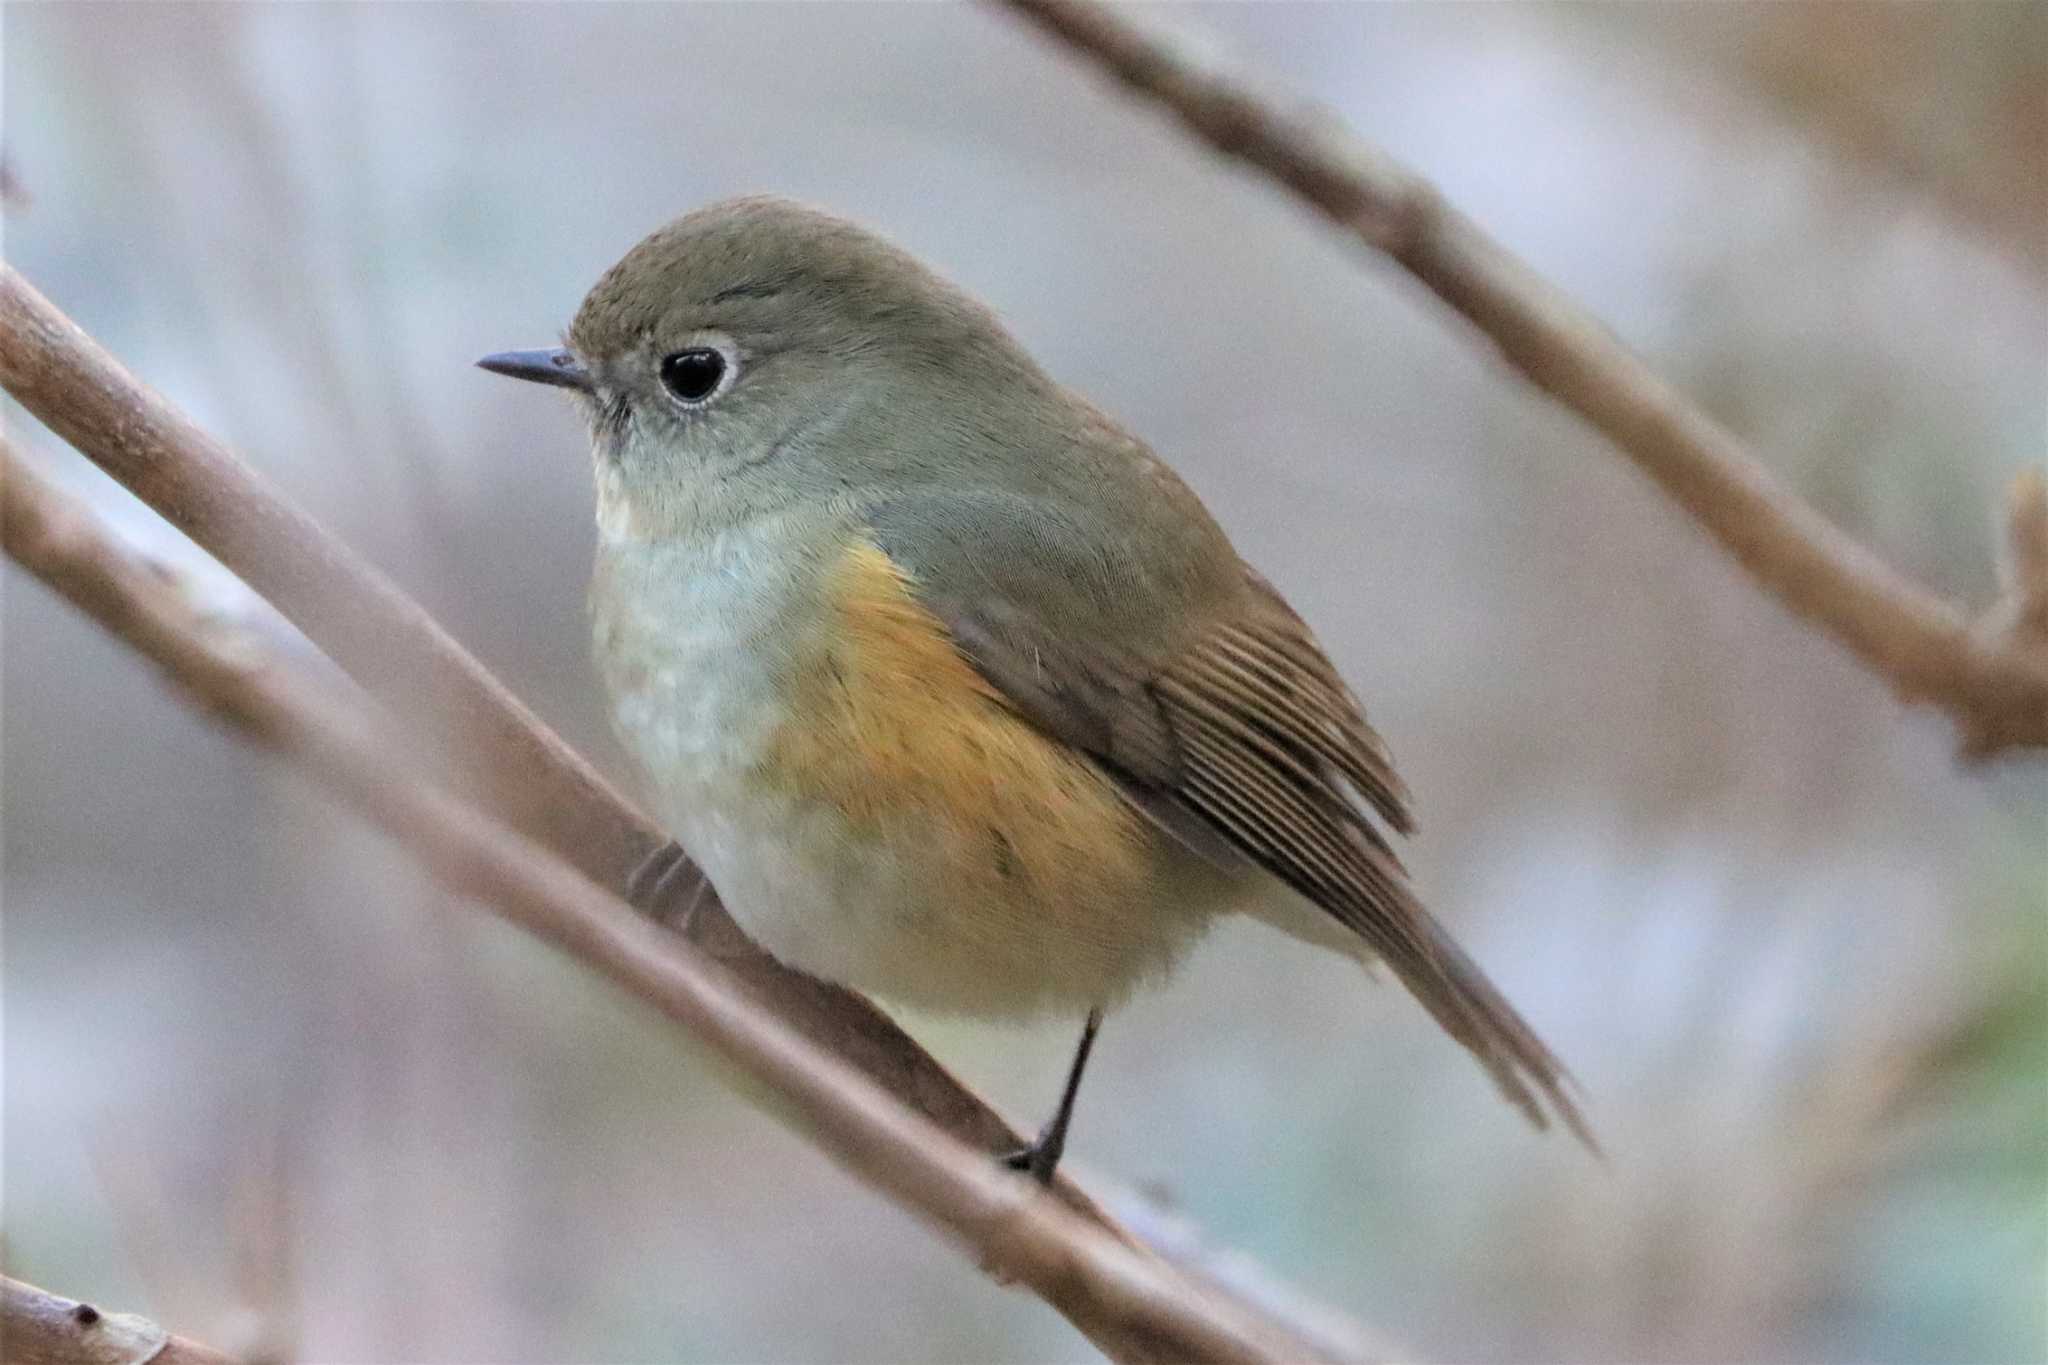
(1456, 992)
(1472, 1010)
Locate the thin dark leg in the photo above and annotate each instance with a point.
(1043, 1156)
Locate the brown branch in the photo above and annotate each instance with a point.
(40, 1328)
(354, 613)
(1991, 679)
(1128, 1301)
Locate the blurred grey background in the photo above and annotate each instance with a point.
(261, 1081)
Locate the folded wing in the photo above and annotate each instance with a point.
(1222, 718)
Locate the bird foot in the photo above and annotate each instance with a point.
(1039, 1160)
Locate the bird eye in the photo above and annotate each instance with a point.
(696, 376)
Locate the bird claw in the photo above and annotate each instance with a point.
(1039, 1160)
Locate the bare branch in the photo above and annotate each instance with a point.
(39, 1328)
(1992, 683)
(1131, 1303)
(529, 777)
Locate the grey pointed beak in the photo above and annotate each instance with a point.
(542, 367)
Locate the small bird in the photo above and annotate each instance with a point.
(956, 692)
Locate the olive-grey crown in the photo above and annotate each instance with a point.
(786, 273)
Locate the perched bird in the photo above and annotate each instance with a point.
(957, 693)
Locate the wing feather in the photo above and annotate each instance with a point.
(1228, 724)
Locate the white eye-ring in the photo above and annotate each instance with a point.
(699, 373)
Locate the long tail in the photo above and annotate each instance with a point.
(1471, 1009)
(1455, 991)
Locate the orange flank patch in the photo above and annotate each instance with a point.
(910, 743)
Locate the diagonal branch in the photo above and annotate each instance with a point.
(1131, 1303)
(354, 613)
(1990, 677)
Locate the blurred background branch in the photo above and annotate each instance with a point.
(1853, 73)
(1992, 680)
(41, 1328)
(1127, 1301)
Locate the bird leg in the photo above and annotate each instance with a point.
(1042, 1156)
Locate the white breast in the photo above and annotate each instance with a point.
(696, 638)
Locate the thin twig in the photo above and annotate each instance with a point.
(41, 1328)
(1991, 678)
(1131, 1303)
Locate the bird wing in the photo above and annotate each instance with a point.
(1212, 704)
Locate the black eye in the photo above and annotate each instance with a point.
(693, 376)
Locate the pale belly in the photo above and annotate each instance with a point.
(869, 814)
(910, 916)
